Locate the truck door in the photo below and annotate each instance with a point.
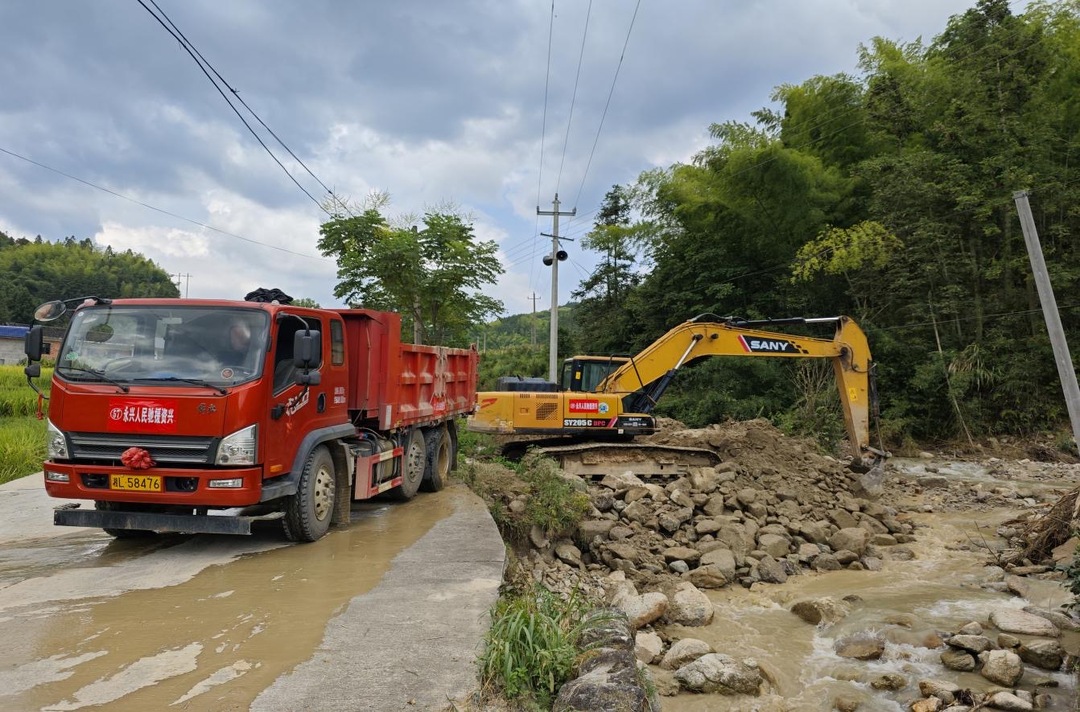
(292, 407)
(296, 410)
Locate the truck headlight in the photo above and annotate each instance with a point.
(56, 446)
(238, 448)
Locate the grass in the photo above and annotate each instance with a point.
(22, 446)
(533, 643)
(532, 646)
(22, 435)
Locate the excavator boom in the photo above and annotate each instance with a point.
(621, 403)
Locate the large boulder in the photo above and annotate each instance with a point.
(774, 545)
(608, 677)
(860, 646)
(1008, 702)
(683, 652)
(709, 576)
(610, 685)
(974, 644)
(720, 673)
(592, 528)
(852, 539)
(689, 606)
(1009, 620)
(1002, 667)
(821, 610)
(1045, 654)
(942, 689)
(737, 538)
(670, 521)
(959, 660)
(644, 609)
(681, 553)
(723, 559)
(621, 482)
(770, 570)
(648, 646)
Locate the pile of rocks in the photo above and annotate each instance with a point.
(1023, 640)
(771, 509)
(735, 523)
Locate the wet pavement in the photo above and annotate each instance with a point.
(385, 614)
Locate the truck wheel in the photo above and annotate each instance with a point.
(413, 461)
(121, 533)
(309, 511)
(439, 452)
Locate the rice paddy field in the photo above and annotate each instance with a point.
(22, 435)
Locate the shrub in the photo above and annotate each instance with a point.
(554, 504)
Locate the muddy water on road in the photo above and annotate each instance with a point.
(212, 642)
(909, 602)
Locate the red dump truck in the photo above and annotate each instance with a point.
(178, 415)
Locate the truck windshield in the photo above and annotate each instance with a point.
(171, 345)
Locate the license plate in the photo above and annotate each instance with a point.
(135, 483)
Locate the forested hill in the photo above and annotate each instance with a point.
(35, 271)
(886, 196)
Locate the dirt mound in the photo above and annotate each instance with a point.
(764, 457)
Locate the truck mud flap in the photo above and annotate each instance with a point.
(150, 521)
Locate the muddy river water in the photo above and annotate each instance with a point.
(180, 622)
(909, 602)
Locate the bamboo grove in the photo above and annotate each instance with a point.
(887, 196)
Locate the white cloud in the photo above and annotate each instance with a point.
(430, 101)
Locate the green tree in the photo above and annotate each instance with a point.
(603, 323)
(433, 275)
(35, 272)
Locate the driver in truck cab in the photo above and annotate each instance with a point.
(236, 349)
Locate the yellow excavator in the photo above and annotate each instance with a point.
(612, 398)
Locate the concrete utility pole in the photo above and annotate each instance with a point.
(533, 299)
(1050, 313)
(553, 260)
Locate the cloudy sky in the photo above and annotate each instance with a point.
(432, 101)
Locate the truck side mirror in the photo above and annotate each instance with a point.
(307, 349)
(34, 345)
(50, 311)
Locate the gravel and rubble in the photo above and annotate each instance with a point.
(773, 508)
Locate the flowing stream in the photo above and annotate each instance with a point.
(911, 603)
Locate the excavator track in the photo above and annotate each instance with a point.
(595, 460)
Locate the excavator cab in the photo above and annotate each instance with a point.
(582, 374)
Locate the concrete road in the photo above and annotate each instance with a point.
(386, 614)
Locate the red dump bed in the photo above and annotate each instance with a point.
(393, 385)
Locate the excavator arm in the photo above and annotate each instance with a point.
(642, 380)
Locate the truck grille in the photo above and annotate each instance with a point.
(106, 448)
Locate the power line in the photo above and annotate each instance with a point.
(159, 210)
(817, 125)
(573, 97)
(232, 106)
(600, 128)
(543, 134)
(250, 110)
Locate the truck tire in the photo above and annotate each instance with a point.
(413, 461)
(309, 511)
(439, 459)
(122, 533)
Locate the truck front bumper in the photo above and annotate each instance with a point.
(152, 521)
(179, 487)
